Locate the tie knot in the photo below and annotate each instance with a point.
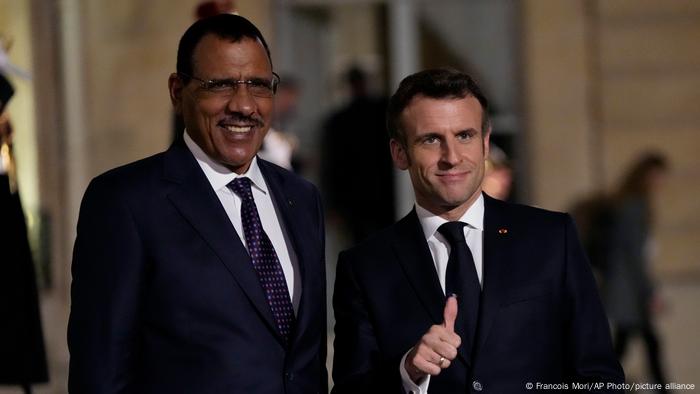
(453, 232)
(241, 186)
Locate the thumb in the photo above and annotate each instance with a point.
(450, 313)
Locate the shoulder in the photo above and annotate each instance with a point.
(378, 250)
(134, 171)
(372, 263)
(530, 217)
(119, 196)
(131, 179)
(130, 175)
(290, 180)
(379, 241)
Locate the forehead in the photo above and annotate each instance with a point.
(425, 114)
(223, 57)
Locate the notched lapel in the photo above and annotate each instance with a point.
(412, 251)
(413, 254)
(296, 223)
(197, 202)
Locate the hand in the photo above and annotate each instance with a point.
(437, 348)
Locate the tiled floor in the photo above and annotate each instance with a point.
(680, 329)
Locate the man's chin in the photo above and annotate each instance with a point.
(456, 201)
(237, 163)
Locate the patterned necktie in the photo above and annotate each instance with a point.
(461, 279)
(264, 259)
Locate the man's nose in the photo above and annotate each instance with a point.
(241, 101)
(450, 154)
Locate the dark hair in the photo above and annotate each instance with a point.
(635, 181)
(441, 83)
(6, 92)
(355, 75)
(233, 27)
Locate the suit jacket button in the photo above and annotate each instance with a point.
(476, 385)
(290, 376)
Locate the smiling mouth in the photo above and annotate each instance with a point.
(453, 174)
(238, 129)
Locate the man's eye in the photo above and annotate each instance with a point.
(219, 85)
(465, 135)
(258, 85)
(430, 140)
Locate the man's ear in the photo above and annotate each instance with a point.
(487, 138)
(175, 88)
(399, 154)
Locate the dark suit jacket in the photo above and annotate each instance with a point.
(540, 317)
(164, 296)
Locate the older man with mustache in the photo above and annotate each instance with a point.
(201, 269)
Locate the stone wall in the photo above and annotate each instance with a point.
(606, 81)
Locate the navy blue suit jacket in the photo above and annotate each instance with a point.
(540, 318)
(164, 296)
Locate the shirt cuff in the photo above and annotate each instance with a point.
(408, 385)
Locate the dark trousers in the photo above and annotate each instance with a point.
(653, 347)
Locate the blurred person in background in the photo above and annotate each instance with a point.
(629, 292)
(356, 174)
(281, 143)
(22, 355)
(498, 179)
(209, 8)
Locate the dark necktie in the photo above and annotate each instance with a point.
(461, 279)
(264, 259)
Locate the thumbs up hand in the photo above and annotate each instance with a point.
(449, 315)
(437, 348)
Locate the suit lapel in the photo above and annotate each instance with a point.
(195, 199)
(296, 224)
(413, 254)
(497, 253)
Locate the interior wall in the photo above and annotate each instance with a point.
(128, 109)
(649, 86)
(605, 82)
(556, 100)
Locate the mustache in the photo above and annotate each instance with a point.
(240, 118)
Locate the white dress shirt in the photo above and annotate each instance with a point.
(440, 251)
(219, 177)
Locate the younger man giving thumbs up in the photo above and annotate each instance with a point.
(526, 308)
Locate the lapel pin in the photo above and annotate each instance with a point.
(291, 204)
(503, 231)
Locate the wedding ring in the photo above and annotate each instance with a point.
(442, 360)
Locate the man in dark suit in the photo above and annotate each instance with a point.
(201, 269)
(525, 313)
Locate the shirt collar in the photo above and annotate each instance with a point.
(473, 217)
(218, 175)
